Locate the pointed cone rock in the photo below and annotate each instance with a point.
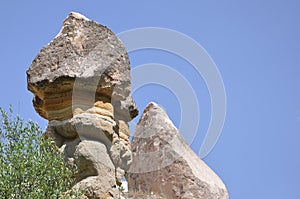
(164, 164)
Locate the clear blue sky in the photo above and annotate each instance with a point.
(255, 45)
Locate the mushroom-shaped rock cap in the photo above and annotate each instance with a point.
(83, 64)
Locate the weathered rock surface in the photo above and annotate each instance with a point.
(81, 84)
(96, 171)
(164, 164)
(90, 53)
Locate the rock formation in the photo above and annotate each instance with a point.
(81, 84)
(165, 165)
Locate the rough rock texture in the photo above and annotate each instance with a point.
(81, 84)
(92, 54)
(164, 164)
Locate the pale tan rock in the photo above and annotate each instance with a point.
(96, 170)
(77, 111)
(164, 164)
(124, 137)
(123, 127)
(81, 84)
(125, 110)
(94, 127)
(104, 105)
(101, 111)
(68, 150)
(92, 157)
(64, 128)
(94, 189)
(55, 137)
(83, 64)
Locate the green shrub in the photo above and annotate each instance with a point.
(30, 166)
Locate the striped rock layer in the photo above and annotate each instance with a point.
(81, 85)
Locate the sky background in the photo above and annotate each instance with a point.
(255, 45)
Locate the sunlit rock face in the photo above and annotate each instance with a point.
(86, 58)
(81, 85)
(165, 165)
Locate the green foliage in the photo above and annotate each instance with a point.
(30, 166)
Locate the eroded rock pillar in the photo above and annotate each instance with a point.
(81, 85)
